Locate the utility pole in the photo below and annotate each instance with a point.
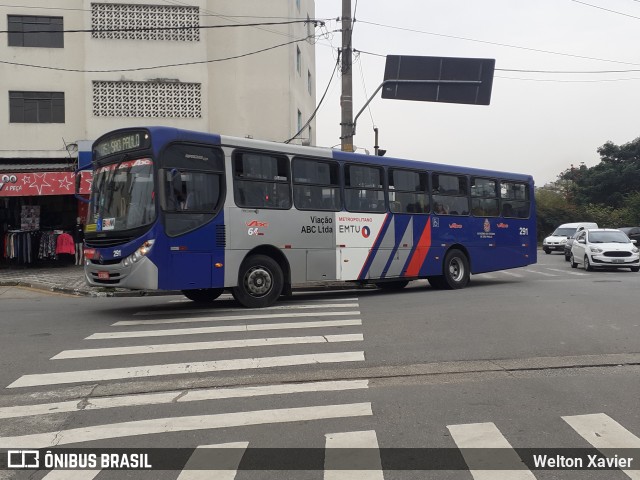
(346, 98)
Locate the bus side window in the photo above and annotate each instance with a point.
(261, 180)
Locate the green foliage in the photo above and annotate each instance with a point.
(607, 193)
(553, 210)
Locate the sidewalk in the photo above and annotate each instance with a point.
(70, 280)
(63, 279)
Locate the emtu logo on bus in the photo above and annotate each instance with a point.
(366, 231)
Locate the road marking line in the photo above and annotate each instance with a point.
(242, 318)
(190, 346)
(193, 471)
(224, 328)
(182, 424)
(181, 396)
(485, 436)
(517, 275)
(540, 273)
(568, 272)
(488, 276)
(352, 440)
(603, 432)
(352, 302)
(183, 368)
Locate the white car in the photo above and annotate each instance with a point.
(604, 248)
(558, 239)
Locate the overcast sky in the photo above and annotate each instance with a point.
(537, 123)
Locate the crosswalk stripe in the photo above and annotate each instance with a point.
(486, 276)
(487, 435)
(296, 306)
(182, 424)
(511, 274)
(71, 475)
(192, 472)
(224, 328)
(603, 432)
(183, 368)
(568, 272)
(179, 396)
(241, 318)
(351, 440)
(220, 344)
(540, 273)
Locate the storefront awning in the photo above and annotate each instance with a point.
(21, 184)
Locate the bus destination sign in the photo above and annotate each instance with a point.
(121, 143)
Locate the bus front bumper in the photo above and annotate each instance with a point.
(142, 275)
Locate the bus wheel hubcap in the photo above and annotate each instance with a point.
(456, 269)
(258, 281)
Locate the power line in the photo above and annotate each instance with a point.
(558, 72)
(148, 29)
(160, 66)
(605, 9)
(500, 44)
(168, 1)
(335, 68)
(227, 17)
(553, 80)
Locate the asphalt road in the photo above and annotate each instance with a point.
(541, 357)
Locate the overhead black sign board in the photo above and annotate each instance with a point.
(439, 79)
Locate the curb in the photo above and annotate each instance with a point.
(99, 293)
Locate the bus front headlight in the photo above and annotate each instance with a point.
(136, 256)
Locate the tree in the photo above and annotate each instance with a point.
(608, 183)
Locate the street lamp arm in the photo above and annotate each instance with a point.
(386, 82)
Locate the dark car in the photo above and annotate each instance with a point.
(632, 232)
(567, 246)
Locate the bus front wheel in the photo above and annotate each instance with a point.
(456, 272)
(260, 282)
(203, 295)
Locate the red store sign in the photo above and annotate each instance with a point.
(43, 183)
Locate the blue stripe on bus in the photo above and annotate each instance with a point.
(401, 223)
(375, 246)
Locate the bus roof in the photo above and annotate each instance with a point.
(175, 134)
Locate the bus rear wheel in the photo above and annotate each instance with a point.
(203, 295)
(260, 282)
(456, 271)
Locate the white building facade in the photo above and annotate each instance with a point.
(70, 73)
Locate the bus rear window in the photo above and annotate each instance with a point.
(514, 200)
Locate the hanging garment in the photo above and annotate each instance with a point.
(65, 244)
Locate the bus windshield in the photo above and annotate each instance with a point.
(123, 196)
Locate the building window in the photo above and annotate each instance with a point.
(299, 120)
(137, 22)
(36, 107)
(147, 99)
(309, 83)
(298, 60)
(32, 31)
(309, 31)
(298, 4)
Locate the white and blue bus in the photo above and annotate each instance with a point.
(201, 213)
